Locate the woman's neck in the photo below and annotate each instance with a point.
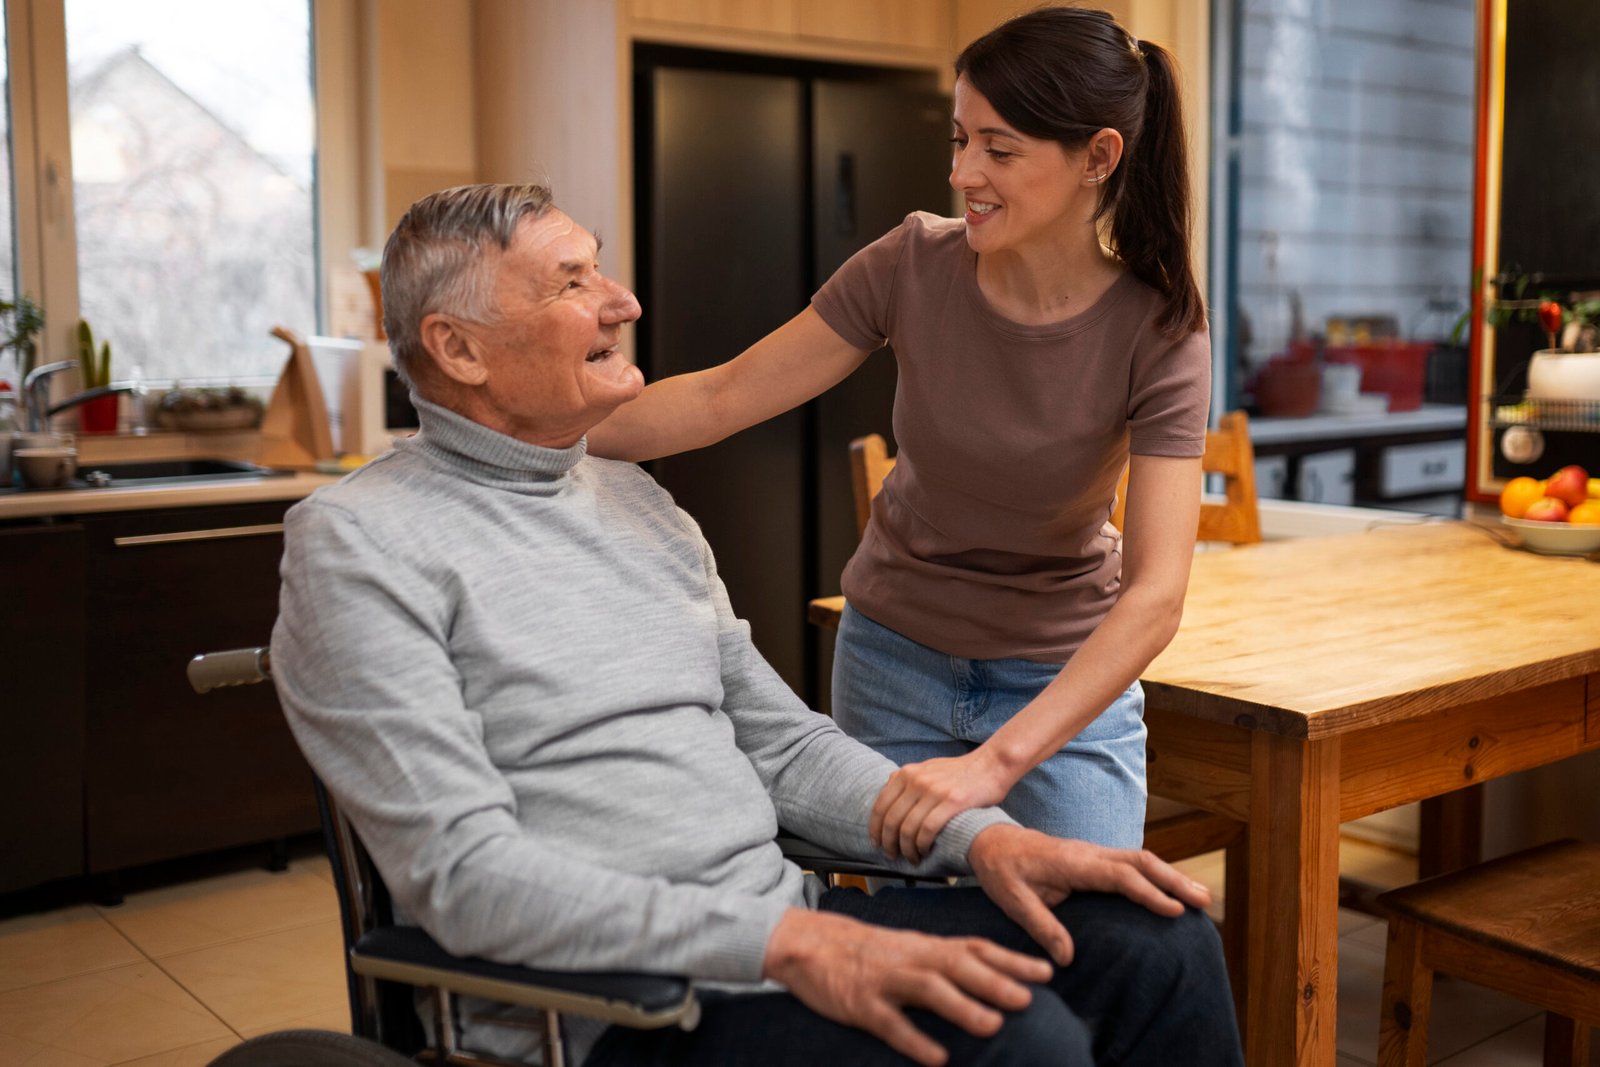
(1038, 286)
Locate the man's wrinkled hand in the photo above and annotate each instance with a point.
(920, 798)
(1028, 873)
(866, 976)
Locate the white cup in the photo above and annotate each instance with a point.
(1341, 387)
(49, 467)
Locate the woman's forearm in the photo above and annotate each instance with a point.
(1132, 634)
(786, 368)
(672, 415)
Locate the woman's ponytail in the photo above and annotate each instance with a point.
(1150, 220)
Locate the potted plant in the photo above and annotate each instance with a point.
(23, 321)
(1569, 367)
(100, 414)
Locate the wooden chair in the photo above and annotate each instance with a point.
(1527, 925)
(1172, 830)
(1235, 520)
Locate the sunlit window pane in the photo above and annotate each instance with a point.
(192, 159)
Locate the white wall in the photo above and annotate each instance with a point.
(1356, 161)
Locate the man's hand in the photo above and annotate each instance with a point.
(864, 976)
(920, 798)
(1027, 873)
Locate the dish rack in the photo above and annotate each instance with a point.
(1573, 416)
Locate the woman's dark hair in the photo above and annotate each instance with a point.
(1065, 73)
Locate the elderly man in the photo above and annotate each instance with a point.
(518, 672)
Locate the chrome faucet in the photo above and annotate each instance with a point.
(36, 393)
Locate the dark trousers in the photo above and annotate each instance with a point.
(1142, 991)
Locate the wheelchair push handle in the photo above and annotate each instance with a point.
(238, 666)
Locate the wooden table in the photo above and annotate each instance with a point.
(1319, 680)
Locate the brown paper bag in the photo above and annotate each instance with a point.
(294, 431)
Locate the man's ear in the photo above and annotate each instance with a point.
(452, 351)
(1103, 155)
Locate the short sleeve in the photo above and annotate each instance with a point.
(856, 302)
(1170, 397)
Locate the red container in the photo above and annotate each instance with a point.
(1288, 388)
(99, 415)
(1397, 369)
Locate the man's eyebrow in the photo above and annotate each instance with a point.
(579, 266)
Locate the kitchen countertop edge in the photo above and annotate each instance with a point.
(42, 503)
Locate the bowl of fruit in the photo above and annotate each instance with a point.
(1559, 515)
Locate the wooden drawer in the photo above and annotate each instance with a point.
(1431, 467)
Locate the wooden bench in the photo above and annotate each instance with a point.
(1527, 925)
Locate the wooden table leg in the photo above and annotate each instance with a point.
(1294, 901)
(1451, 834)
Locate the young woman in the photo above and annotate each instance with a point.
(998, 624)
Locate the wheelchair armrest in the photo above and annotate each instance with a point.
(645, 1001)
(815, 858)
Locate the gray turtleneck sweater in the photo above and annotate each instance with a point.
(518, 672)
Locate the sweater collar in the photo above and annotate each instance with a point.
(487, 455)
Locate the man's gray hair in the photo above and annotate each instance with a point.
(434, 261)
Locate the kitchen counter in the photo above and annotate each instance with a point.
(35, 503)
(1428, 418)
(158, 445)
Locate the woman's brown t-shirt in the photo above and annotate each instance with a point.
(991, 537)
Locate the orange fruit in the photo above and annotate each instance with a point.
(1518, 495)
(1586, 513)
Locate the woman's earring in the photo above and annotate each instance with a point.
(1097, 179)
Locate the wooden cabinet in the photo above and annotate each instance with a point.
(914, 24)
(760, 16)
(41, 710)
(169, 772)
(923, 26)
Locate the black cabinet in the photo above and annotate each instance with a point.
(168, 772)
(756, 179)
(41, 712)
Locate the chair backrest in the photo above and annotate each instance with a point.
(1236, 520)
(385, 1012)
(870, 463)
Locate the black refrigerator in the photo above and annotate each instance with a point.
(756, 180)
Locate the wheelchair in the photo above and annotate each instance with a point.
(387, 964)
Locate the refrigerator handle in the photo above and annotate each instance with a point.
(844, 197)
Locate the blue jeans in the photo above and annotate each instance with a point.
(1142, 991)
(913, 703)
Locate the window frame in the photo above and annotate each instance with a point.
(44, 219)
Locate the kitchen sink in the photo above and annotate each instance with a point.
(92, 476)
(173, 470)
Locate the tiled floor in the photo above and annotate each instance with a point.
(181, 972)
(176, 974)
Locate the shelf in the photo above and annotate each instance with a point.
(1572, 416)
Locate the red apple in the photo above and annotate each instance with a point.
(1570, 485)
(1548, 509)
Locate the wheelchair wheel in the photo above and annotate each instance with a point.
(310, 1048)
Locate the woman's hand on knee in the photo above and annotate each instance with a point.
(920, 798)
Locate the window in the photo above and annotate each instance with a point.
(1355, 168)
(1344, 230)
(191, 127)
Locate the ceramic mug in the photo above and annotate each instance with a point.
(46, 468)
